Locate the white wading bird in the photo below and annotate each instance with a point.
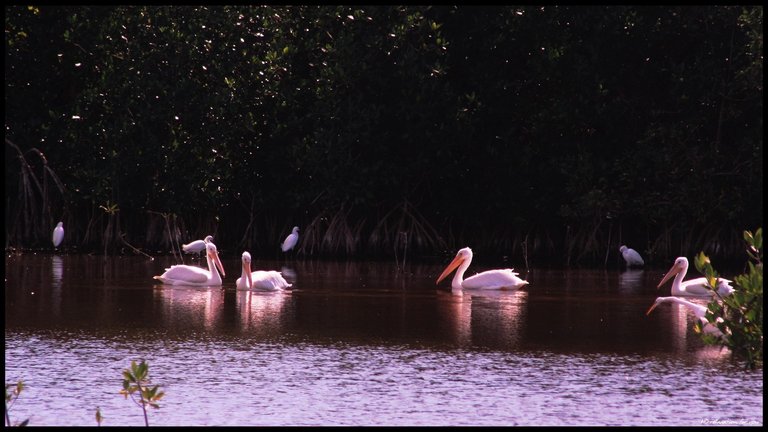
(192, 275)
(58, 234)
(698, 310)
(264, 280)
(291, 240)
(693, 287)
(491, 279)
(196, 246)
(631, 256)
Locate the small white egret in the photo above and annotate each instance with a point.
(264, 280)
(693, 287)
(192, 275)
(291, 240)
(58, 234)
(631, 256)
(491, 279)
(196, 246)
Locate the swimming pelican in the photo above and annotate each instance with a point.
(698, 310)
(58, 234)
(692, 287)
(491, 279)
(631, 256)
(196, 246)
(291, 240)
(264, 280)
(192, 275)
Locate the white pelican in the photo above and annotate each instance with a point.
(698, 310)
(264, 280)
(291, 240)
(693, 287)
(58, 234)
(196, 246)
(631, 256)
(491, 279)
(192, 275)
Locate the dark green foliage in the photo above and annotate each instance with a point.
(575, 127)
(739, 316)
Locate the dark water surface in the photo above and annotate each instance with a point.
(361, 343)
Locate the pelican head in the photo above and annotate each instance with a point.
(208, 239)
(680, 265)
(247, 269)
(659, 300)
(462, 256)
(213, 255)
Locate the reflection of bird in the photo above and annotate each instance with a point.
(57, 268)
(291, 240)
(192, 275)
(491, 279)
(698, 310)
(631, 280)
(265, 280)
(288, 273)
(631, 256)
(692, 287)
(58, 234)
(196, 246)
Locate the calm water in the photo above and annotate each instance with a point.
(361, 344)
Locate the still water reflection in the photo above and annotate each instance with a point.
(361, 344)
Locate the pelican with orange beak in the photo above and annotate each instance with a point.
(193, 275)
(697, 309)
(491, 279)
(262, 280)
(694, 287)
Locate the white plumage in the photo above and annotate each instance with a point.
(58, 234)
(491, 279)
(693, 287)
(196, 246)
(196, 276)
(291, 240)
(631, 256)
(697, 309)
(264, 280)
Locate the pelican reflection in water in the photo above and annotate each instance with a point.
(191, 308)
(262, 311)
(491, 318)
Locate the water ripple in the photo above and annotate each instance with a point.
(266, 384)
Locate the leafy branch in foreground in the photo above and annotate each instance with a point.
(10, 398)
(738, 316)
(136, 380)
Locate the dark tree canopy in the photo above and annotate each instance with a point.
(551, 132)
